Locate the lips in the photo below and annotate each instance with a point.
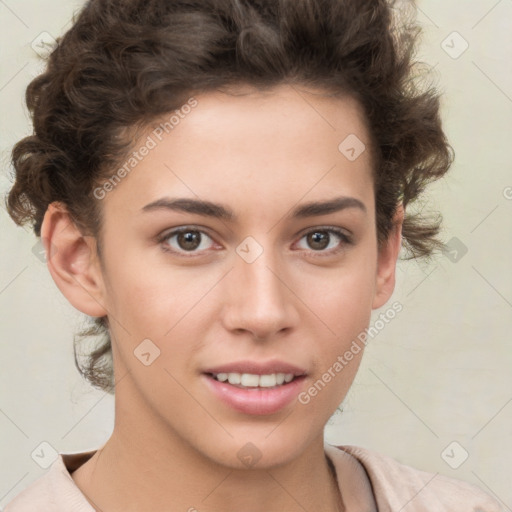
(255, 388)
(257, 368)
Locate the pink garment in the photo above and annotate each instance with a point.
(378, 484)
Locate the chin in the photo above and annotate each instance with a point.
(265, 449)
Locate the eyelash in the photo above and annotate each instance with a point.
(345, 240)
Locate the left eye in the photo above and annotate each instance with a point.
(320, 240)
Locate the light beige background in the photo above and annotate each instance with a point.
(439, 373)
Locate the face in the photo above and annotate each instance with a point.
(218, 268)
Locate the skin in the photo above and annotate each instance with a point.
(174, 445)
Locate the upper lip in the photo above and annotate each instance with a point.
(257, 368)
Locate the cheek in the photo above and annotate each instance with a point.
(342, 307)
(341, 299)
(344, 311)
(172, 307)
(146, 293)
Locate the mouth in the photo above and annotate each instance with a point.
(255, 389)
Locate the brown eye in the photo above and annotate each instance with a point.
(185, 240)
(318, 240)
(189, 240)
(328, 241)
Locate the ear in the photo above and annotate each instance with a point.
(72, 261)
(386, 261)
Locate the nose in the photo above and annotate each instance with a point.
(259, 298)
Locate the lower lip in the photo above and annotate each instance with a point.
(255, 400)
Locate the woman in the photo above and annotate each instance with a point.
(223, 186)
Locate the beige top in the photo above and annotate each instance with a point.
(378, 484)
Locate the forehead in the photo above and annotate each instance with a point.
(253, 149)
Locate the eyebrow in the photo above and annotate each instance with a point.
(218, 211)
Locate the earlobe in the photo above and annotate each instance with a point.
(72, 261)
(386, 262)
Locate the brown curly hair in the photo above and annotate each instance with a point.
(125, 63)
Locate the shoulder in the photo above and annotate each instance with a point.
(55, 490)
(400, 487)
(37, 494)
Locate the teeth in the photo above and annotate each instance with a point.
(267, 381)
(234, 378)
(251, 380)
